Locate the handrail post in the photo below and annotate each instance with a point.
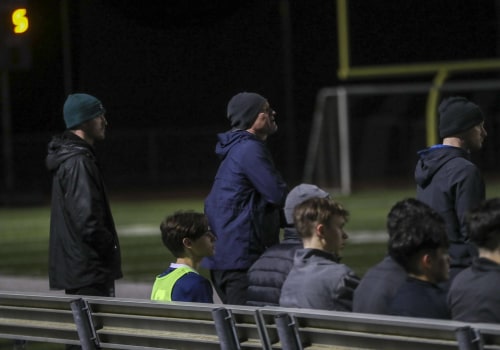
(261, 327)
(469, 338)
(226, 329)
(84, 324)
(288, 332)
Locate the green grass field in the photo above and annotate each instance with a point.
(24, 232)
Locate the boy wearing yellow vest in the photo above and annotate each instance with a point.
(188, 237)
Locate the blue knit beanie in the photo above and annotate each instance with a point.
(456, 115)
(79, 108)
(243, 108)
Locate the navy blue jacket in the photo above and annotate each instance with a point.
(378, 286)
(267, 274)
(416, 298)
(243, 206)
(452, 185)
(473, 295)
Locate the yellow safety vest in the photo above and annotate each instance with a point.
(163, 286)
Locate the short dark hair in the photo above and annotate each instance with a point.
(316, 210)
(180, 225)
(484, 224)
(414, 229)
(398, 216)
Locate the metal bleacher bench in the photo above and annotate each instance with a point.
(117, 323)
(37, 317)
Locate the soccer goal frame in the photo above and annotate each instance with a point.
(328, 157)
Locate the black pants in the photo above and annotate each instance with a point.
(231, 285)
(98, 290)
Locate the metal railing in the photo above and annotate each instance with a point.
(99, 323)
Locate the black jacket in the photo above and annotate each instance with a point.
(83, 247)
(416, 298)
(452, 185)
(267, 274)
(378, 286)
(473, 295)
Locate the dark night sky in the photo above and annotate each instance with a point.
(173, 65)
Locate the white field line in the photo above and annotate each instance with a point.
(138, 230)
(354, 236)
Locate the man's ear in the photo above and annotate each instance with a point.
(187, 242)
(426, 260)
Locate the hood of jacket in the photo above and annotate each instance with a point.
(432, 159)
(65, 146)
(229, 139)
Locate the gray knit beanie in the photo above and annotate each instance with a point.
(243, 108)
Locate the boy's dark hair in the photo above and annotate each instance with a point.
(398, 216)
(414, 229)
(484, 224)
(316, 210)
(180, 225)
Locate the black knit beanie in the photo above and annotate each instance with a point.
(243, 108)
(456, 115)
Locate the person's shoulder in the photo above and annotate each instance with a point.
(462, 279)
(275, 257)
(461, 169)
(79, 156)
(251, 142)
(454, 157)
(286, 249)
(338, 269)
(461, 162)
(483, 271)
(192, 287)
(343, 267)
(195, 277)
(240, 142)
(385, 267)
(192, 281)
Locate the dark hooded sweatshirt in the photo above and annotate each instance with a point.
(83, 248)
(452, 185)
